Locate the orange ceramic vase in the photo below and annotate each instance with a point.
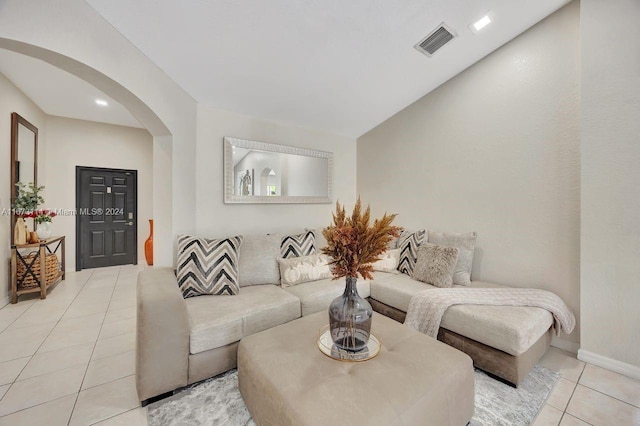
(148, 245)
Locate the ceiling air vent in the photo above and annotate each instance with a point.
(435, 40)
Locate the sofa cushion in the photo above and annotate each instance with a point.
(208, 267)
(315, 296)
(298, 245)
(396, 290)
(218, 321)
(511, 329)
(258, 264)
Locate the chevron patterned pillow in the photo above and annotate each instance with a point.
(208, 266)
(298, 245)
(408, 243)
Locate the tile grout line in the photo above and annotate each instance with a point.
(110, 381)
(569, 401)
(94, 348)
(610, 396)
(601, 392)
(116, 415)
(53, 371)
(23, 312)
(37, 405)
(593, 389)
(46, 337)
(16, 318)
(62, 319)
(114, 354)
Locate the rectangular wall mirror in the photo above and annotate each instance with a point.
(259, 172)
(24, 157)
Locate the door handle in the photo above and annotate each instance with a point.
(130, 223)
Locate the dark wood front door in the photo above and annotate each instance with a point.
(106, 221)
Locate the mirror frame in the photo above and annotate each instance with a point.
(231, 198)
(16, 120)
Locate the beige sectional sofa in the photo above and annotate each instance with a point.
(183, 341)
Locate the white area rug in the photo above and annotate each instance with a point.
(217, 401)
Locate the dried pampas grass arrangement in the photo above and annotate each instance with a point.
(354, 244)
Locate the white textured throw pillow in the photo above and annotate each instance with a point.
(298, 270)
(466, 244)
(435, 264)
(388, 261)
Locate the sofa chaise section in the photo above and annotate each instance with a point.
(505, 341)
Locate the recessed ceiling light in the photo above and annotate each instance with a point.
(482, 22)
(102, 102)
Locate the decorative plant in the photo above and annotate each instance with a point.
(41, 216)
(353, 244)
(28, 198)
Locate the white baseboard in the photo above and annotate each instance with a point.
(565, 345)
(4, 302)
(610, 364)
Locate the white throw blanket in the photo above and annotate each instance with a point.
(427, 307)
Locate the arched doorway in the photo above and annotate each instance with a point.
(162, 137)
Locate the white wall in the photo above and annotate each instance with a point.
(216, 219)
(610, 232)
(74, 143)
(494, 150)
(13, 100)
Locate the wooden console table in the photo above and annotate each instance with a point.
(20, 255)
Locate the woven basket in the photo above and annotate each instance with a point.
(51, 272)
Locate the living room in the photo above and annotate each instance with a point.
(521, 132)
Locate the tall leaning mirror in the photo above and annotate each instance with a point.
(24, 156)
(259, 172)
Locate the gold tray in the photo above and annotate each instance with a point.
(328, 348)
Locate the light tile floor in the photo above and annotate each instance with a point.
(69, 360)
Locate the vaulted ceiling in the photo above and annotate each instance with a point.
(335, 65)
